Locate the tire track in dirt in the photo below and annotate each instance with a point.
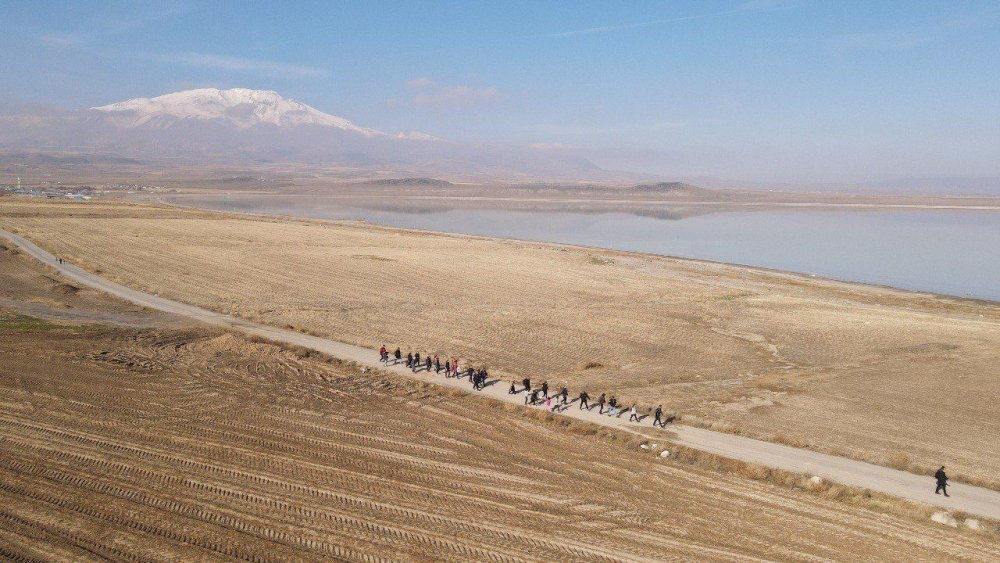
(205, 447)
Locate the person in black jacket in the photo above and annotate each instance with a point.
(942, 482)
(584, 397)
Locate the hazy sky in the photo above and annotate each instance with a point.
(760, 90)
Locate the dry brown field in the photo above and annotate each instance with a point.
(897, 378)
(184, 443)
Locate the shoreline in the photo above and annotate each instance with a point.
(819, 205)
(802, 276)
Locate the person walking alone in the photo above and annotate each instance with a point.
(658, 417)
(942, 482)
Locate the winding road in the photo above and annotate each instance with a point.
(972, 500)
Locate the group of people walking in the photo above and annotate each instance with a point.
(538, 396)
(451, 366)
(560, 401)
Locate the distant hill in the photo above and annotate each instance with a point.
(432, 182)
(678, 190)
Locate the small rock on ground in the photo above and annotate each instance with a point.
(942, 517)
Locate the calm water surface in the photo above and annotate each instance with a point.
(950, 252)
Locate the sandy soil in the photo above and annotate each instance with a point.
(188, 443)
(873, 373)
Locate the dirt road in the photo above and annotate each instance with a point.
(972, 500)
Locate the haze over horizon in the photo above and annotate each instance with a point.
(760, 91)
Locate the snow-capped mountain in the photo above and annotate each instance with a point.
(243, 125)
(241, 107)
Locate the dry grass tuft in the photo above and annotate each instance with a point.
(600, 260)
(900, 460)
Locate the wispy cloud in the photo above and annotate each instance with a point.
(430, 93)
(456, 96)
(892, 39)
(747, 7)
(634, 25)
(552, 147)
(63, 39)
(418, 83)
(903, 38)
(164, 10)
(239, 64)
(102, 27)
(580, 129)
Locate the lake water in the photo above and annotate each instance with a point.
(949, 252)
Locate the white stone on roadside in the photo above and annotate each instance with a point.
(815, 481)
(665, 453)
(973, 524)
(942, 517)
(644, 446)
(655, 446)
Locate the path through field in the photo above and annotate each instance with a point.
(972, 500)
